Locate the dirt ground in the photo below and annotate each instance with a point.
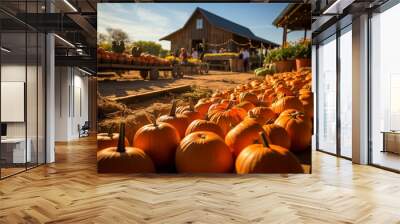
(131, 85)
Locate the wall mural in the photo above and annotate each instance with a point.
(204, 88)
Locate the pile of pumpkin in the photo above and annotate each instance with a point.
(143, 59)
(254, 128)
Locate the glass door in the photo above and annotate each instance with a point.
(326, 66)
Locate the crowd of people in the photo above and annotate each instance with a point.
(244, 54)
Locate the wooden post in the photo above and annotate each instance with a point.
(284, 36)
(305, 34)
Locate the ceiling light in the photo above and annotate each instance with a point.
(64, 40)
(86, 72)
(70, 5)
(5, 50)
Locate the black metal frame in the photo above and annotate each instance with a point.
(337, 34)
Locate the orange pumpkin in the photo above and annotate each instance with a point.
(178, 121)
(121, 159)
(227, 117)
(107, 140)
(247, 96)
(203, 152)
(204, 125)
(242, 135)
(159, 140)
(262, 115)
(246, 105)
(267, 158)
(287, 102)
(202, 106)
(298, 127)
(308, 103)
(277, 135)
(191, 113)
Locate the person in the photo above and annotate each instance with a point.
(183, 55)
(195, 54)
(246, 57)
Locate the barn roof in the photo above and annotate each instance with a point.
(226, 25)
(294, 17)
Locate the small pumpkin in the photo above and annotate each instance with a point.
(159, 140)
(298, 127)
(242, 135)
(277, 135)
(287, 102)
(262, 115)
(204, 125)
(247, 96)
(246, 105)
(227, 117)
(107, 140)
(203, 152)
(191, 113)
(121, 159)
(178, 121)
(267, 158)
(202, 106)
(307, 100)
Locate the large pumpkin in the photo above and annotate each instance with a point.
(267, 158)
(244, 134)
(178, 121)
(203, 152)
(227, 117)
(107, 140)
(262, 115)
(204, 125)
(287, 102)
(277, 135)
(159, 140)
(298, 127)
(121, 159)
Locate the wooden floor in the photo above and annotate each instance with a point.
(70, 191)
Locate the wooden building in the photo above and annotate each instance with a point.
(205, 30)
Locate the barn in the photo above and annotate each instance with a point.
(207, 31)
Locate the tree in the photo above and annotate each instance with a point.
(150, 47)
(117, 35)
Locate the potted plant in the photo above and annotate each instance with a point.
(282, 57)
(303, 54)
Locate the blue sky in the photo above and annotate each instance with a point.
(151, 21)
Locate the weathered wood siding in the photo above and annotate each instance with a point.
(209, 34)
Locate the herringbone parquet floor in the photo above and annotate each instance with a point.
(70, 191)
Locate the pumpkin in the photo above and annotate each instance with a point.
(287, 102)
(191, 114)
(203, 152)
(262, 115)
(227, 117)
(277, 135)
(267, 158)
(242, 135)
(298, 127)
(107, 140)
(178, 121)
(159, 140)
(121, 159)
(202, 106)
(308, 103)
(246, 105)
(204, 125)
(247, 96)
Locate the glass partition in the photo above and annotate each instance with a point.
(326, 135)
(346, 92)
(385, 89)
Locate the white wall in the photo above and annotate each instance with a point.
(71, 94)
